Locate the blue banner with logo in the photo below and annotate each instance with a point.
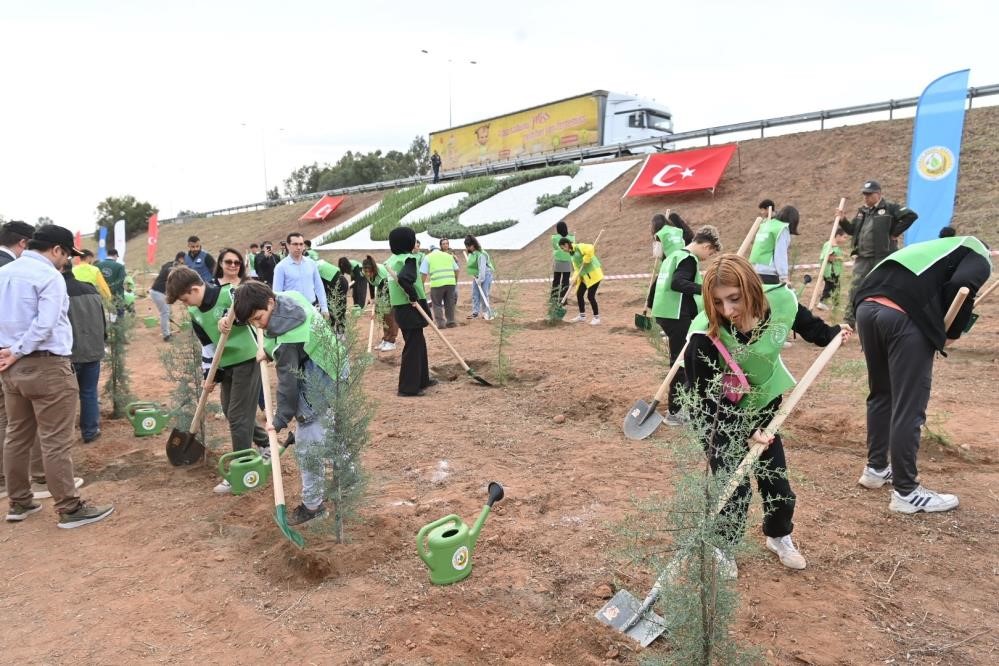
(102, 244)
(936, 150)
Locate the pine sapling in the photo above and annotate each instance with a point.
(506, 324)
(116, 388)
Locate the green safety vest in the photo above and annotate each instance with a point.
(312, 254)
(577, 262)
(666, 302)
(381, 274)
(327, 271)
(558, 254)
(920, 256)
(475, 258)
(441, 269)
(760, 359)
(251, 261)
(397, 295)
(766, 241)
(321, 343)
(240, 346)
(832, 267)
(671, 239)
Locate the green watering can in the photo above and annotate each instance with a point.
(147, 418)
(245, 470)
(446, 544)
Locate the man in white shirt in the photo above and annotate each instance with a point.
(296, 272)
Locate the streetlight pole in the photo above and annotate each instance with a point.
(450, 62)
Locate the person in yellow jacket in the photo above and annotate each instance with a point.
(85, 271)
(589, 274)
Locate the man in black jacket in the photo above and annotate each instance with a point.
(87, 317)
(875, 228)
(264, 264)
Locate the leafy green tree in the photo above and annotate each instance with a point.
(135, 213)
(419, 153)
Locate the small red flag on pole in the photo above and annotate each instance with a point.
(154, 230)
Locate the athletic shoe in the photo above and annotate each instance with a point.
(19, 512)
(922, 499)
(84, 515)
(223, 488)
(3, 490)
(873, 479)
(452, 324)
(265, 453)
(674, 420)
(87, 439)
(474, 315)
(303, 514)
(727, 568)
(822, 306)
(788, 554)
(595, 321)
(166, 338)
(388, 346)
(580, 317)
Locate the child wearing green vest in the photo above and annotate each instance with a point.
(834, 266)
(561, 262)
(900, 308)
(669, 233)
(405, 295)
(590, 272)
(352, 270)
(310, 362)
(676, 300)
(378, 277)
(770, 247)
(480, 267)
(335, 285)
(751, 323)
(238, 373)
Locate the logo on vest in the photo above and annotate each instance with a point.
(935, 163)
(778, 333)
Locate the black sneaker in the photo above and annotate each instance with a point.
(84, 515)
(19, 512)
(92, 438)
(303, 514)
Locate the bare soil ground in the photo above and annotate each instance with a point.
(180, 575)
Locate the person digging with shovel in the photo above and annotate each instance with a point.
(589, 274)
(480, 267)
(238, 373)
(676, 300)
(378, 292)
(307, 355)
(740, 334)
(405, 289)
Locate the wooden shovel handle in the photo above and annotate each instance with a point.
(817, 291)
(673, 369)
(210, 377)
(985, 292)
(265, 381)
(955, 306)
(454, 352)
(747, 244)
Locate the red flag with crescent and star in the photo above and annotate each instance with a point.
(686, 171)
(154, 234)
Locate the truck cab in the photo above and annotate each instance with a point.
(630, 118)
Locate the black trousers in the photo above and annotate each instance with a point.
(899, 375)
(414, 370)
(767, 278)
(360, 291)
(560, 285)
(336, 298)
(591, 295)
(676, 334)
(830, 284)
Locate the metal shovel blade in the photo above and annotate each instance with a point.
(643, 322)
(620, 611)
(183, 448)
(642, 420)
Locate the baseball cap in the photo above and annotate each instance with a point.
(57, 235)
(870, 187)
(22, 229)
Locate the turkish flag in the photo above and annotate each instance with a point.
(322, 209)
(79, 244)
(154, 234)
(666, 173)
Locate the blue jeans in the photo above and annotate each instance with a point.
(87, 376)
(478, 304)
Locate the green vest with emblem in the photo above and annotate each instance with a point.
(766, 241)
(397, 295)
(321, 343)
(920, 256)
(441, 268)
(240, 346)
(671, 239)
(760, 359)
(666, 302)
(558, 254)
(327, 271)
(473, 262)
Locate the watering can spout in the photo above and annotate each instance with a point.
(495, 495)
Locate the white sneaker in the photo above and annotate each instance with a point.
(223, 488)
(788, 554)
(822, 306)
(873, 479)
(922, 499)
(580, 317)
(265, 453)
(727, 568)
(595, 321)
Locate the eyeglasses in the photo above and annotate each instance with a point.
(232, 262)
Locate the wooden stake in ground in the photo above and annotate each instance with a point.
(817, 291)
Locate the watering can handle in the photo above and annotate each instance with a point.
(227, 458)
(422, 534)
(133, 407)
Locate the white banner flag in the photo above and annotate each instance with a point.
(119, 240)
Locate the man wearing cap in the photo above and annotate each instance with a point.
(40, 390)
(875, 228)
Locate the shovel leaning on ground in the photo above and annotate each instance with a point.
(624, 612)
(184, 448)
(642, 419)
(454, 352)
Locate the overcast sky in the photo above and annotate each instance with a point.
(178, 103)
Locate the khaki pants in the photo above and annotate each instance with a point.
(37, 470)
(41, 398)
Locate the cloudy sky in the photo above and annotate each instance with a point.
(196, 104)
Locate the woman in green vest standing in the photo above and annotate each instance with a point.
(378, 291)
(561, 262)
(748, 323)
(676, 300)
(769, 255)
(405, 295)
(480, 267)
(669, 233)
